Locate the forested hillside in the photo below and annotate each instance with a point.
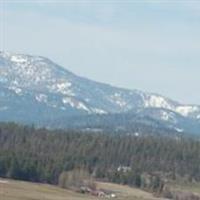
(42, 155)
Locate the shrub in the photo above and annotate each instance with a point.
(76, 179)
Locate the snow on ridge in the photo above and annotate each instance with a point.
(35, 72)
(18, 59)
(186, 110)
(5, 54)
(162, 102)
(157, 102)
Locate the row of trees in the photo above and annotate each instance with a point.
(42, 155)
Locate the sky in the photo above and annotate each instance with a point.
(150, 45)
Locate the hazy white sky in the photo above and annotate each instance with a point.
(149, 45)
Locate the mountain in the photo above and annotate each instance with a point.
(34, 89)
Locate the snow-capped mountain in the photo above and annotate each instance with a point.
(34, 87)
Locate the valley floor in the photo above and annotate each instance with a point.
(19, 190)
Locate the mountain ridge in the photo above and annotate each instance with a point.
(55, 92)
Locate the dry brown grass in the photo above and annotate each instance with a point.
(190, 187)
(127, 193)
(19, 190)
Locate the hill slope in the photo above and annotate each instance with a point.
(19, 190)
(33, 89)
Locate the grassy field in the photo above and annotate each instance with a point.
(19, 190)
(192, 187)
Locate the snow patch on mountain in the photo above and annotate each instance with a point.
(99, 111)
(157, 102)
(82, 106)
(15, 89)
(41, 98)
(68, 100)
(75, 103)
(165, 116)
(18, 59)
(52, 86)
(63, 88)
(186, 110)
(118, 99)
(180, 130)
(168, 116)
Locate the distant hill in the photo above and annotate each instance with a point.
(35, 90)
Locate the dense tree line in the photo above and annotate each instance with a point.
(42, 155)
